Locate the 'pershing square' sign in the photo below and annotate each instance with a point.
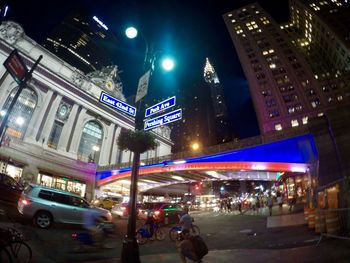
(163, 119)
(119, 105)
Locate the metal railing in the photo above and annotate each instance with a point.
(334, 223)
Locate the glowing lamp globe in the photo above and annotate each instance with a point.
(131, 32)
(168, 64)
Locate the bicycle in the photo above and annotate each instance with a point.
(143, 234)
(175, 232)
(13, 247)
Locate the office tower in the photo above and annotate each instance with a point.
(197, 124)
(319, 30)
(284, 89)
(83, 41)
(222, 125)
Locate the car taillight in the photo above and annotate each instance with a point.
(157, 212)
(25, 201)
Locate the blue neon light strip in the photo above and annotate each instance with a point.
(301, 149)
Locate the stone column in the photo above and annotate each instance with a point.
(30, 174)
(5, 89)
(50, 119)
(67, 129)
(37, 117)
(77, 132)
(106, 145)
(115, 146)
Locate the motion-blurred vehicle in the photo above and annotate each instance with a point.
(165, 213)
(10, 189)
(107, 202)
(47, 205)
(122, 210)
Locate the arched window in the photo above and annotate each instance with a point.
(91, 141)
(21, 112)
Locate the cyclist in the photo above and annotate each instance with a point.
(185, 220)
(150, 221)
(91, 219)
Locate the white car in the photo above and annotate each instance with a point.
(48, 205)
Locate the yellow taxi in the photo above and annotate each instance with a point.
(107, 202)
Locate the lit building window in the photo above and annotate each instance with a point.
(229, 15)
(91, 139)
(294, 123)
(305, 119)
(278, 127)
(320, 114)
(21, 112)
(264, 20)
(272, 66)
(339, 97)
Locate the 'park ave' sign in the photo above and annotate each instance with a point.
(161, 106)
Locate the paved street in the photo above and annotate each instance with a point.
(228, 235)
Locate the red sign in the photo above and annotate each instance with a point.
(15, 66)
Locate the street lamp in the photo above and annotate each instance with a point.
(130, 249)
(95, 148)
(195, 146)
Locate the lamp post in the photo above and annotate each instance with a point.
(130, 249)
(95, 148)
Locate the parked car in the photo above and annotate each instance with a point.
(122, 210)
(107, 202)
(10, 189)
(165, 213)
(47, 205)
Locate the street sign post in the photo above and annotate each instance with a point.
(161, 106)
(117, 104)
(18, 70)
(163, 119)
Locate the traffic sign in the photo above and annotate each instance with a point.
(115, 103)
(142, 88)
(165, 104)
(15, 66)
(163, 119)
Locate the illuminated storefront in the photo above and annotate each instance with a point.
(62, 183)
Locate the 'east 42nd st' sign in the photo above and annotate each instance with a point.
(163, 119)
(117, 104)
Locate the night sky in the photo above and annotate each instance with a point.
(189, 30)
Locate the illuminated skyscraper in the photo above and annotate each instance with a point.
(284, 88)
(82, 41)
(221, 129)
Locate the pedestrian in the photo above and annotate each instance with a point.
(240, 205)
(258, 203)
(280, 202)
(253, 203)
(186, 248)
(270, 204)
(292, 202)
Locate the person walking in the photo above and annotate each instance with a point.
(186, 248)
(270, 204)
(280, 202)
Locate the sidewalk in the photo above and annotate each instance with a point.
(332, 251)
